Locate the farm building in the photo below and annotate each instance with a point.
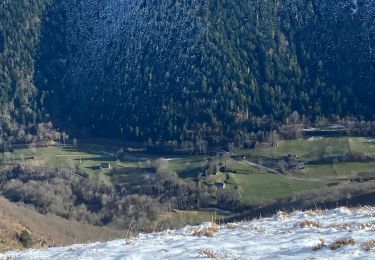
(105, 165)
(220, 185)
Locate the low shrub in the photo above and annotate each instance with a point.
(310, 224)
(369, 245)
(320, 245)
(25, 238)
(342, 242)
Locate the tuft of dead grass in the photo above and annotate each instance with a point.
(315, 212)
(342, 242)
(208, 231)
(231, 226)
(208, 254)
(369, 245)
(320, 245)
(350, 209)
(281, 215)
(309, 224)
(365, 225)
(344, 226)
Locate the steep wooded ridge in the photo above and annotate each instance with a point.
(203, 71)
(20, 23)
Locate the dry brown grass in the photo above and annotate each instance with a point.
(342, 242)
(46, 229)
(208, 254)
(320, 245)
(309, 224)
(231, 226)
(365, 210)
(369, 245)
(281, 215)
(208, 231)
(351, 209)
(363, 226)
(344, 226)
(315, 212)
(10, 233)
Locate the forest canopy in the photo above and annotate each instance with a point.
(183, 71)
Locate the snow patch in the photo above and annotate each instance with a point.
(342, 233)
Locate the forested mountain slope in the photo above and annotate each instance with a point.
(203, 71)
(20, 34)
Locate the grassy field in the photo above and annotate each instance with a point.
(256, 185)
(266, 187)
(132, 169)
(63, 156)
(347, 169)
(310, 148)
(362, 144)
(188, 166)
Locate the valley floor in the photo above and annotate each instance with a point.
(342, 233)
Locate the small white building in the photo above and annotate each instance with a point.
(220, 185)
(105, 165)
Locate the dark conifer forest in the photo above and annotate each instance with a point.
(184, 72)
(144, 115)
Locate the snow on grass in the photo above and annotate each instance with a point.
(342, 233)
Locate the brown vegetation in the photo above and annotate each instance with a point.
(14, 235)
(46, 230)
(231, 226)
(363, 226)
(60, 192)
(309, 224)
(208, 254)
(63, 193)
(281, 215)
(207, 231)
(320, 245)
(369, 245)
(342, 242)
(344, 226)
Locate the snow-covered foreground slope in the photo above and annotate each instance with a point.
(298, 235)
